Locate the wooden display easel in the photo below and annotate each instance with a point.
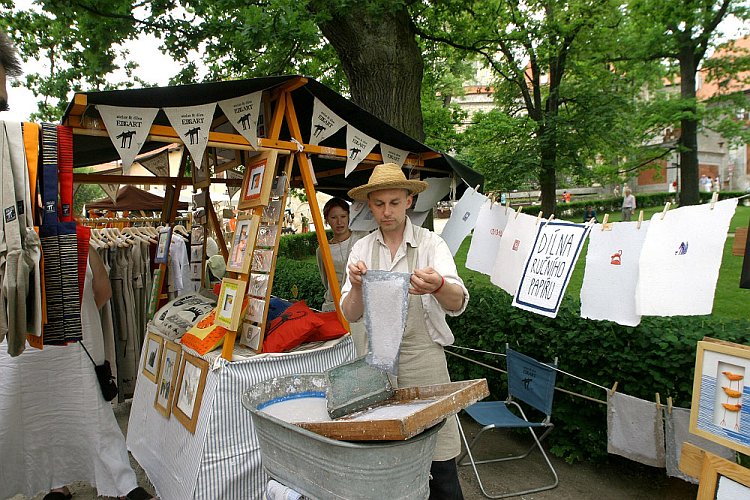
(280, 98)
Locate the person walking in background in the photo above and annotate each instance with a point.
(616, 191)
(628, 205)
(589, 213)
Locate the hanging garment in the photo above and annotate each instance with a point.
(35, 309)
(608, 290)
(127, 343)
(515, 246)
(179, 267)
(635, 430)
(485, 242)
(680, 260)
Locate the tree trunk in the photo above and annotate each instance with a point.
(689, 129)
(547, 177)
(383, 63)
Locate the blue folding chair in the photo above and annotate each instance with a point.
(531, 382)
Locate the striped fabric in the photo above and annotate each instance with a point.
(222, 459)
(65, 169)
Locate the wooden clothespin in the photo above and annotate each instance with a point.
(507, 206)
(519, 211)
(477, 188)
(613, 389)
(605, 219)
(658, 402)
(640, 220)
(538, 217)
(666, 207)
(551, 217)
(669, 405)
(714, 199)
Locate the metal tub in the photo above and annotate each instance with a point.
(323, 468)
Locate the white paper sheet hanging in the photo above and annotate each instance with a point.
(485, 241)
(680, 260)
(437, 188)
(463, 218)
(192, 125)
(513, 251)
(128, 129)
(608, 290)
(242, 112)
(549, 267)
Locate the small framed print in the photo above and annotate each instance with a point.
(195, 271)
(170, 359)
(262, 260)
(256, 185)
(251, 336)
(197, 235)
(721, 479)
(190, 386)
(196, 253)
(162, 246)
(244, 235)
(229, 307)
(278, 188)
(151, 360)
(271, 211)
(257, 285)
(266, 236)
(200, 173)
(255, 309)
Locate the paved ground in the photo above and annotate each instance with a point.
(618, 480)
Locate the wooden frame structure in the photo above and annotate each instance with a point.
(283, 116)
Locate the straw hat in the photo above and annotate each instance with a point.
(386, 176)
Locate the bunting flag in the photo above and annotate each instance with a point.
(437, 188)
(157, 164)
(393, 155)
(549, 267)
(325, 123)
(128, 129)
(111, 191)
(242, 112)
(192, 125)
(232, 190)
(358, 146)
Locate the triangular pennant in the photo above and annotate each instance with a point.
(242, 112)
(325, 123)
(358, 146)
(111, 191)
(393, 155)
(192, 124)
(128, 129)
(158, 164)
(232, 190)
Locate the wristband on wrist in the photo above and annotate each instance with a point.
(441, 286)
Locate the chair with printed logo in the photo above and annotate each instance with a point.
(532, 383)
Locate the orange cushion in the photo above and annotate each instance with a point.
(330, 329)
(293, 327)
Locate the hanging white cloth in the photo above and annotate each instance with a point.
(515, 246)
(485, 241)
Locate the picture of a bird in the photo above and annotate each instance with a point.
(733, 407)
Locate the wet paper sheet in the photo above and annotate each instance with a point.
(386, 299)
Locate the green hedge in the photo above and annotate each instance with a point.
(300, 246)
(303, 275)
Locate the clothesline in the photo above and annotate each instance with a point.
(504, 371)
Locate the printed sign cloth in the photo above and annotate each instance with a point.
(680, 260)
(325, 123)
(393, 155)
(485, 242)
(549, 266)
(608, 290)
(128, 129)
(358, 146)
(463, 218)
(513, 251)
(192, 125)
(242, 112)
(634, 430)
(437, 188)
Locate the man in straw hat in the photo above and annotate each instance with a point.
(435, 290)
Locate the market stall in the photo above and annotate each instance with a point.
(187, 426)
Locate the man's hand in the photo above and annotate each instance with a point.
(425, 281)
(356, 271)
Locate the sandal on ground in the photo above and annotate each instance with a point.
(138, 494)
(57, 495)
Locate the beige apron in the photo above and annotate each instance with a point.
(421, 360)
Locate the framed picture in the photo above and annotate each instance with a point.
(255, 309)
(229, 307)
(170, 359)
(257, 285)
(271, 211)
(162, 246)
(278, 188)
(720, 410)
(256, 185)
(722, 479)
(196, 253)
(267, 236)
(197, 235)
(152, 358)
(200, 172)
(190, 385)
(251, 336)
(153, 303)
(195, 271)
(262, 260)
(242, 243)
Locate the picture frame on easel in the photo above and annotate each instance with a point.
(256, 184)
(722, 479)
(152, 359)
(189, 393)
(170, 360)
(229, 306)
(242, 243)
